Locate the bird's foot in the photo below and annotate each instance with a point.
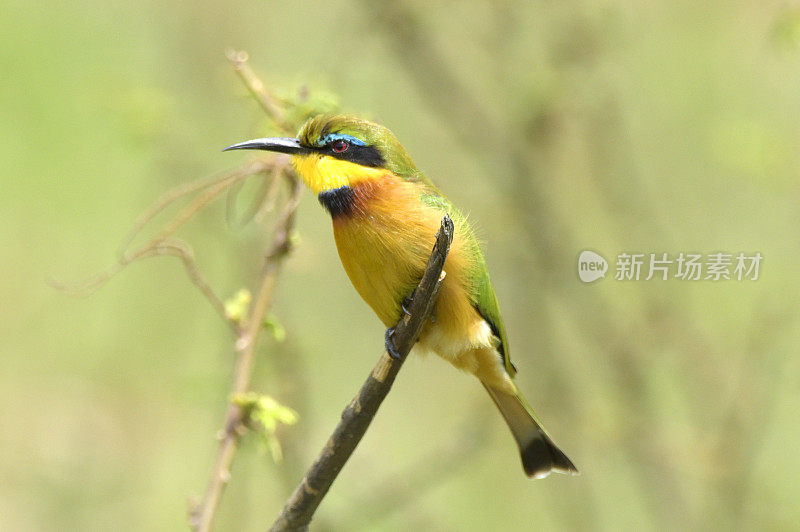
(390, 348)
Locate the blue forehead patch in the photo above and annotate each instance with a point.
(330, 137)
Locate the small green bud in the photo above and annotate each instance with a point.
(237, 307)
(274, 326)
(262, 414)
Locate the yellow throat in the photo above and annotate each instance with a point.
(323, 172)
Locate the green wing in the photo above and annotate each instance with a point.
(482, 293)
(485, 302)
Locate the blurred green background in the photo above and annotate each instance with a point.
(560, 126)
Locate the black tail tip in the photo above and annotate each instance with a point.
(541, 456)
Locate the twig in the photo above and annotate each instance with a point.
(165, 244)
(182, 250)
(268, 102)
(219, 183)
(202, 515)
(299, 509)
(248, 328)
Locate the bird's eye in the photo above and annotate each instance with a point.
(340, 146)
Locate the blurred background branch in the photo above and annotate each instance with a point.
(299, 509)
(202, 515)
(247, 321)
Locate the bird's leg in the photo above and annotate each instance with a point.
(390, 348)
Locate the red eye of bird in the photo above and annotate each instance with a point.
(340, 146)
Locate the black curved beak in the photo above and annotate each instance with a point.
(279, 144)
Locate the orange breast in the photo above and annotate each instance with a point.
(384, 245)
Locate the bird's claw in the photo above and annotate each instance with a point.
(405, 304)
(390, 348)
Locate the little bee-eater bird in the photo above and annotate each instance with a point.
(385, 215)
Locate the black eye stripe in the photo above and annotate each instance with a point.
(363, 155)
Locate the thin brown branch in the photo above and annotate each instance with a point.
(185, 189)
(299, 509)
(182, 250)
(171, 247)
(164, 244)
(203, 514)
(248, 328)
(267, 205)
(211, 193)
(268, 102)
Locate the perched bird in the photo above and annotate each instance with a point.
(385, 215)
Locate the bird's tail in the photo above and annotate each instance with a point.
(539, 454)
